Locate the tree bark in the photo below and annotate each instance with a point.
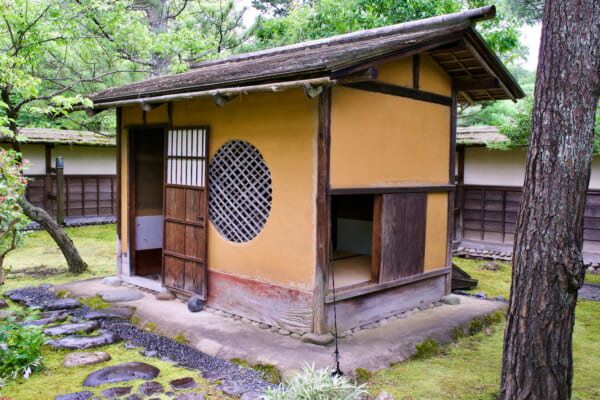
(547, 263)
(74, 260)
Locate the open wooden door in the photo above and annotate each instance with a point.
(185, 211)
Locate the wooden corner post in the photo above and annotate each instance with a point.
(451, 194)
(323, 213)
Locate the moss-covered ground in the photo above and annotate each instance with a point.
(466, 369)
(470, 368)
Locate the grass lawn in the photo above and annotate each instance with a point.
(470, 368)
(39, 260)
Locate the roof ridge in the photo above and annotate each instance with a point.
(466, 18)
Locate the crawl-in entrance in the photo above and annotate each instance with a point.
(146, 195)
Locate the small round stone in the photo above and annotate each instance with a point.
(195, 304)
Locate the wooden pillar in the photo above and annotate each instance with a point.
(60, 191)
(48, 177)
(451, 179)
(323, 205)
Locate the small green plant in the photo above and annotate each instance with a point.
(95, 302)
(458, 333)
(428, 348)
(268, 372)
(362, 375)
(20, 349)
(180, 338)
(149, 327)
(62, 294)
(313, 384)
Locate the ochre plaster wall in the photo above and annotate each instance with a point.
(436, 230)
(283, 127)
(384, 140)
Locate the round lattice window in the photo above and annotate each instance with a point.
(239, 192)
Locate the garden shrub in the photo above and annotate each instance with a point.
(426, 349)
(313, 384)
(20, 349)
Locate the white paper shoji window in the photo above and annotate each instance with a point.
(186, 157)
(240, 193)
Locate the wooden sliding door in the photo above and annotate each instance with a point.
(186, 211)
(403, 220)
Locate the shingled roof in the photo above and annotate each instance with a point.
(450, 40)
(61, 136)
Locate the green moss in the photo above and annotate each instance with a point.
(149, 327)
(62, 294)
(268, 372)
(180, 338)
(95, 302)
(239, 361)
(458, 333)
(362, 375)
(426, 349)
(135, 320)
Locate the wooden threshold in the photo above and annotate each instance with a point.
(387, 285)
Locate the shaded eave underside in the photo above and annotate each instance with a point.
(458, 49)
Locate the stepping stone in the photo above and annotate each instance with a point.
(115, 392)
(231, 388)
(183, 383)
(321, 340)
(189, 396)
(252, 395)
(165, 296)
(75, 396)
(149, 353)
(211, 376)
(3, 303)
(133, 397)
(119, 295)
(85, 342)
(116, 312)
(61, 304)
(450, 299)
(75, 359)
(121, 373)
(69, 329)
(112, 281)
(47, 317)
(150, 388)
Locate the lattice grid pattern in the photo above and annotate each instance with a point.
(186, 154)
(239, 192)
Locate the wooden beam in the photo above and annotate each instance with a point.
(147, 107)
(369, 74)
(119, 193)
(391, 284)
(312, 91)
(222, 99)
(416, 68)
(323, 205)
(467, 97)
(475, 84)
(451, 179)
(401, 91)
(392, 190)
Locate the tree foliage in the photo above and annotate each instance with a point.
(12, 219)
(324, 18)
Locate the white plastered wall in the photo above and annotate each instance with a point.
(86, 160)
(505, 168)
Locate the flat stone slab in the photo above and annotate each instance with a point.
(47, 317)
(120, 295)
(108, 313)
(211, 376)
(231, 388)
(3, 303)
(85, 358)
(75, 396)
(115, 392)
(189, 396)
(69, 329)
(165, 296)
(150, 388)
(85, 342)
(61, 304)
(183, 384)
(321, 340)
(112, 281)
(121, 373)
(450, 299)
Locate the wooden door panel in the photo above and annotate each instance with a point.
(403, 219)
(186, 211)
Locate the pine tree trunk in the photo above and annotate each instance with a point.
(548, 264)
(74, 260)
